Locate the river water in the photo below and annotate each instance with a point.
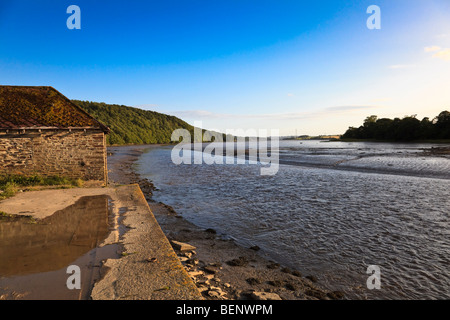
(331, 210)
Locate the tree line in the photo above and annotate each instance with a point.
(132, 125)
(406, 129)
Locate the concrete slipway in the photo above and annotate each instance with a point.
(148, 268)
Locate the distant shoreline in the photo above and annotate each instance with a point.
(438, 141)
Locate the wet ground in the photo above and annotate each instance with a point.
(35, 254)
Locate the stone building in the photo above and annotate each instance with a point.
(44, 133)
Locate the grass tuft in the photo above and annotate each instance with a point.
(11, 184)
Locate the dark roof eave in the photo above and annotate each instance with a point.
(105, 129)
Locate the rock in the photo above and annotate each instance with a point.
(181, 246)
(202, 282)
(193, 261)
(213, 294)
(273, 265)
(212, 231)
(286, 270)
(216, 264)
(291, 286)
(217, 289)
(188, 254)
(316, 294)
(211, 269)
(183, 259)
(209, 276)
(264, 296)
(312, 278)
(255, 248)
(275, 283)
(194, 274)
(253, 281)
(296, 273)
(202, 288)
(336, 295)
(216, 292)
(227, 285)
(238, 262)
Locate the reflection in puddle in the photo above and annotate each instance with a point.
(34, 256)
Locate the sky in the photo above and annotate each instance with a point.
(300, 67)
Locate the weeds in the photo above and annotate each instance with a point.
(6, 217)
(11, 184)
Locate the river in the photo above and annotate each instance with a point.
(331, 210)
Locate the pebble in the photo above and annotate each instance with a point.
(213, 294)
(181, 246)
(296, 273)
(253, 281)
(238, 262)
(265, 296)
(195, 273)
(312, 278)
(275, 283)
(291, 286)
(336, 295)
(209, 276)
(286, 270)
(210, 269)
(273, 266)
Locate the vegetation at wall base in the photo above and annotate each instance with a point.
(11, 184)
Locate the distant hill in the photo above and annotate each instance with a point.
(132, 125)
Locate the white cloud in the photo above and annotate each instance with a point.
(330, 111)
(443, 54)
(432, 49)
(347, 108)
(200, 114)
(440, 53)
(377, 101)
(401, 66)
(147, 106)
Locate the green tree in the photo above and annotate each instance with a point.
(406, 129)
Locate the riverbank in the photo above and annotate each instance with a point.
(220, 268)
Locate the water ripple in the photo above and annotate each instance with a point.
(335, 211)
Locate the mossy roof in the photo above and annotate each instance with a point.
(41, 107)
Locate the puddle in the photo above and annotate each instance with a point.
(34, 256)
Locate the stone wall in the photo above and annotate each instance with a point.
(73, 154)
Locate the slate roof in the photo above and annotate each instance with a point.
(24, 107)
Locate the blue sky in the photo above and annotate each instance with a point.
(311, 67)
